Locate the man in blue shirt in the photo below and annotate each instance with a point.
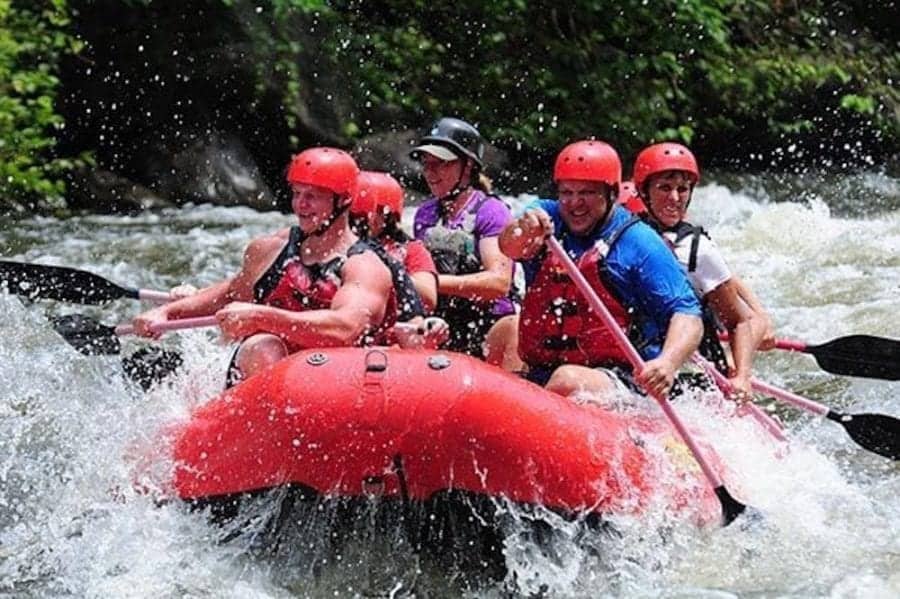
(565, 345)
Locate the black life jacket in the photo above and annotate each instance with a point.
(291, 285)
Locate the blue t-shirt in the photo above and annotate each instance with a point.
(642, 269)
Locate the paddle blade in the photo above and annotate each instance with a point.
(860, 355)
(87, 335)
(876, 432)
(150, 365)
(40, 281)
(731, 507)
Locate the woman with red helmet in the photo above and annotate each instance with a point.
(313, 284)
(665, 175)
(375, 214)
(566, 346)
(630, 198)
(459, 225)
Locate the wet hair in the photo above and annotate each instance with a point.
(483, 183)
(666, 175)
(477, 178)
(359, 224)
(392, 229)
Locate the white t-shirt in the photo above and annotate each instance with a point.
(711, 270)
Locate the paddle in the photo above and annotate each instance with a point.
(877, 433)
(731, 507)
(854, 355)
(41, 281)
(91, 337)
(726, 387)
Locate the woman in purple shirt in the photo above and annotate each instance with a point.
(460, 224)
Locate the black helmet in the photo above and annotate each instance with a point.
(451, 139)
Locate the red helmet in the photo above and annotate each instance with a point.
(324, 167)
(588, 161)
(630, 198)
(658, 158)
(376, 190)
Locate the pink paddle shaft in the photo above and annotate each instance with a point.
(173, 325)
(788, 344)
(637, 362)
(791, 398)
(157, 297)
(722, 382)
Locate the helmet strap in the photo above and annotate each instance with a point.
(447, 200)
(610, 205)
(360, 225)
(336, 211)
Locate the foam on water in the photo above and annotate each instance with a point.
(72, 524)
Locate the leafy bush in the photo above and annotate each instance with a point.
(710, 72)
(33, 37)
(779, 82)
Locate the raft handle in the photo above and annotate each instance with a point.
(373, 486)
(376, 366)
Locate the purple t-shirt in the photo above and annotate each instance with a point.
(490, 219)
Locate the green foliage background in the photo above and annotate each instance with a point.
(733, 78)
(33, 38)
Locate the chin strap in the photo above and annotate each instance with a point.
(336, 211)
(446, 200)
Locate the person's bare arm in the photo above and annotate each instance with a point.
(257, 257)
(745, 333)
(682, 339)
(359, 304)
(763, 321)
(426, 286)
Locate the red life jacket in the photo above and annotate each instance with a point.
(291, 285)
(557, 325)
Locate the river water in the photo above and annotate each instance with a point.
(823, 254)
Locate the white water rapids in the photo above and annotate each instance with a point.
(71, 524)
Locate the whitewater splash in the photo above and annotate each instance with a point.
(72, 524)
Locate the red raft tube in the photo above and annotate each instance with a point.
(350, 422)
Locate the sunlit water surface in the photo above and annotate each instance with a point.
(72, 525)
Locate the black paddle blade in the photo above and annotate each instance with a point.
(860, 355)
(731, 507)
(39, 281)
(150, 365)
(876, 432)
(87, 335)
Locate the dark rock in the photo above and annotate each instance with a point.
(99, 190)
(215, 168)
(389, 152)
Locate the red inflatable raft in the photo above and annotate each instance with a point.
(410, 424)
